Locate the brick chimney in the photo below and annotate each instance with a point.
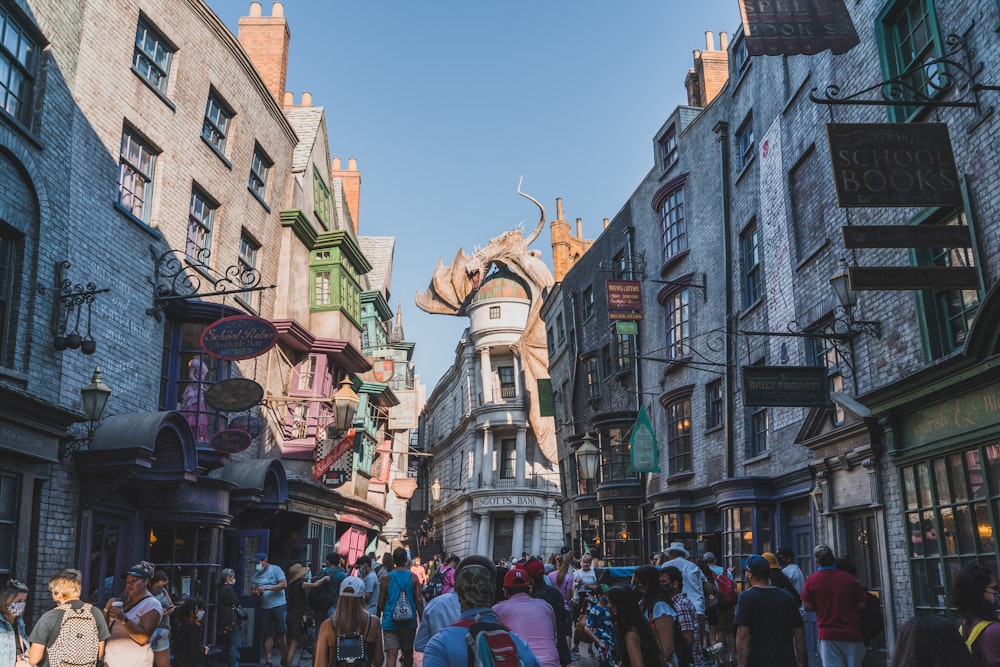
(265, 39)
(710, 72)
(566, 248)
(350, 180)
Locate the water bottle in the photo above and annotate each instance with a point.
(309, 577)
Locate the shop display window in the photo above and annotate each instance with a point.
(622, 542)
(187, 553)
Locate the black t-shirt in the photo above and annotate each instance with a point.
(772, 615)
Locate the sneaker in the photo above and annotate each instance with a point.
(715, 649)
(574, 655)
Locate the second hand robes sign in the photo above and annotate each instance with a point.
(791, 27)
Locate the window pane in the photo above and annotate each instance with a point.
(957, 472)
(964, 530)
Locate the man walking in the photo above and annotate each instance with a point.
(65, 587)
(694, 579)
(268, 583)
(533, 620)
(769, 630)
(540, 590)
(367, 574)
(786, 559)
(837, 597)
(398, 590)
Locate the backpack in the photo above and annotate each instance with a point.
(727, 590)
(322, 597)
(435, 586)
(351, 650)
(490, 644)
(682, 649)
(974, 634)
(77, 643)
(872, 623)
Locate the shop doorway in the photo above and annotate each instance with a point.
(109, 552)
(241, 545)
(503, 538)
(861, 546)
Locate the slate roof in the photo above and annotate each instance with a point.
(378, 250)
(306, 123)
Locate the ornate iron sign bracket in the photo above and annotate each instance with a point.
(950, 81)
(70, 297)
(180, 277)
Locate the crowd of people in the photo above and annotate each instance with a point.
(677, 611)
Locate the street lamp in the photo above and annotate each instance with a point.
(588, 457)
(436, 489)
(95, 397)
(345, 403)
(848, 298)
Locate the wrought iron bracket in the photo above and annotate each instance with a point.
(179, 276)
(72, 296)
(950, 82)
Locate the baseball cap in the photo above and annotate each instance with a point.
(758, 567)
(142, 569)
(258, 557)
(535, 568)
(771, 559)
(515, 578)
(352, 587)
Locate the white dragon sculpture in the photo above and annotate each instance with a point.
(452, 288)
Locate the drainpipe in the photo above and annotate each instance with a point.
(630, 254)
(722, 130)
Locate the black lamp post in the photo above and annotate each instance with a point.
(345, 403)
(95, 398)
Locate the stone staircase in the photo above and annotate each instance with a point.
(431, 548)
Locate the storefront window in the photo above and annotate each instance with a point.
(186, 554)
(737, 538)
(678, 527)
(590, 531)
(952, 504)
(622, 541)
(9, 489)
(615, 456)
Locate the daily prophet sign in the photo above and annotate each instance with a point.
(786, 386)
(893, 164)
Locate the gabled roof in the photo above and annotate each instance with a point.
(306, 122)
(379, 251)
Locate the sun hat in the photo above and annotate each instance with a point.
(296, 572)
(679, 548)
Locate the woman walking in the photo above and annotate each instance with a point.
(636, 643)
(350, 617)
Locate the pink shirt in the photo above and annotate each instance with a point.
(533, 621)
(567, 586)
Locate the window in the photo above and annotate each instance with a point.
(750, 265)
(321, 198)
(322, 294)
(591, 377)
(494, 312)
(136, 165)
(947, 314)
(714, 407)
(668, 148)
(756, 431)
(622, 527)
(201, 219)
(259, 170)
(623, 349)
(587, 303)
(507, 387)
(737, 537)
(679, 436)
(606, 367)
(508, 458)
(615, 459)
(560, 330)
(307, 373)
(9, 493)
(216, 127)
(18, 64)
(909, 37)
(151, 57)
(808, 224)
(744, 143)
(189, 552)
(821, 352)
(619, 266)
(550, 340)
(673, 227)
(248, 263)
(678, 324)
(10, 260)
(741, 57)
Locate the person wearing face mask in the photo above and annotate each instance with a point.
(65, 586)
(367, 574)
(269, 583)
(229, 626)
(13, 642)
(189, 647)
(132, 620)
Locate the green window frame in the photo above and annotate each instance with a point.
(945, 316)
(321, 199)
(908, 36)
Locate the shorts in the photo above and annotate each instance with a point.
(160, 640)
(398, 640)
(272, 621)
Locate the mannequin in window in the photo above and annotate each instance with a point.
(193, 402)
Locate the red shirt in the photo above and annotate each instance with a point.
(836, 595)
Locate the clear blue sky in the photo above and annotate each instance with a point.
(445, 103)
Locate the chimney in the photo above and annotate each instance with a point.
(265, 39)
(307, 99)
(559, 231)
(709, 41)
(710, 72)
(559, 208)
(723, 41)
(579, 228)
(350, 181)
(606, 223)
(289, 100)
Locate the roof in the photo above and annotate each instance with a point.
(501, 285)
(306, 122)
(379, 250)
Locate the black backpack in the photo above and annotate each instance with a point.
(351, 650)
(435, 586)
(325, 595)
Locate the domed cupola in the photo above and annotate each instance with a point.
(499, 309)
(501, 284)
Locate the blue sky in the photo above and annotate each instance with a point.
(445, 103)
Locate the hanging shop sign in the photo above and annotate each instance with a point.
(234, 395)
(335, 460)
(383, 369)
(913, 277)
(790, 27)
(893, 165)
(786, 386)
(644, 454)
(249, 423)
(906, 236)
(230, 441)
(239, 337)
(546, 399)
(624, 299)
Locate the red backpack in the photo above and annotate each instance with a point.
(726, 588)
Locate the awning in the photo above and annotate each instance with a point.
(344, 355)
(260, 483)
(145, 449)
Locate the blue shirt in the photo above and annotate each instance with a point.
(439, 613)
(449, 647)
(269, 577)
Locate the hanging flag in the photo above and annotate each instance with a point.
(586, 547)
(790, 27)
(644, 454)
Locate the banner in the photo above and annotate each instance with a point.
(334, 460)
(546, 401)
(644, 454)
(791, 27)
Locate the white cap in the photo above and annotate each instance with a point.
(352, 587)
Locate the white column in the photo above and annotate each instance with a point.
(520, 457)
(517, 545)
(536, 535)
(487, 469)
(483, 544)
(517, 377)
(477, 462)
(486, 374)
(474, 534)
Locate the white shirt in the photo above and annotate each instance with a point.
(694, 579)
(795, 575)
(583, 578)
